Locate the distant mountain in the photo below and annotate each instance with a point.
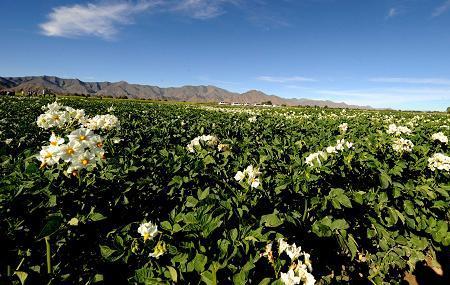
(199, 94)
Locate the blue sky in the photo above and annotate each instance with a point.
(383, 53)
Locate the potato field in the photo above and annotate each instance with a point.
(128, 192)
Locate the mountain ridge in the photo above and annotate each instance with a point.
(190, 93)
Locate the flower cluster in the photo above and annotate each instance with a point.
(440, 137)
(402, 145)
(82, 149)
(343, 128)
(393, 129)
(101, 122)
(315, 158)
(252, 175)
(208, 140)
(299, 271)
(439, 161)
(59, 116)
(252, 119)
(149, 231)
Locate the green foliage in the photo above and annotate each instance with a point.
(364, 212)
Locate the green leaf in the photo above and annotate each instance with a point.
(106, 251)
(202, 194)
(352, 245)
(200, 261)
(208, 160)
(53, 224)
(344, 201)
(339, 224)
(409, 207)
(209, 278)
(165, 225)
(98, 278)
(22, 276)
(191, 202)
(96, 217)
(173, 273)
(385, 180)
(271, 220)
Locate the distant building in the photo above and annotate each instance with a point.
(236, 104)
(223, 103)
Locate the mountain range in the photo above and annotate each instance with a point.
(199, 94)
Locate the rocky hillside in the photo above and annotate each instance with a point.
(202, 94)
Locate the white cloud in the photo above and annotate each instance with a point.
(409, 80)
(392, 13)
(285, 79)
(441, 9)
(202, 9)
(100, 20)
(104, 19)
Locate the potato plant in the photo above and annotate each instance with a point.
(361, 192)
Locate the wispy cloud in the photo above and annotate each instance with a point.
(202, 9)
(410, 80)
(99, 20)
(104, 19)
(441, 9)
(285, 79)
(392, 13)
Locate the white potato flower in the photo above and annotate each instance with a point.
(239, 176)
(398, 130)
(82, 136)
(402, 145)
(252, 173)
(331, 149)
(349, 145)
(439, 161)
(207, 139)
(49, 155)
(315, 158)
(159, 250)
(70, 150)
(343, 128)
(56, 140)
(84, 160)
(282, 245)
(290, 278)
(148, 230)
(294, 252)
(440, 137)
(103, 122)
(53, 107)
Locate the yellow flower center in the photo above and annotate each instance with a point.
(99, 144)
(85, 161)
(55, 117)
(48, 155)
(54, 143)
(146, 236)
(82, 138)
(70, 151)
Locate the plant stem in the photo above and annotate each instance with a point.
(49, 260)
